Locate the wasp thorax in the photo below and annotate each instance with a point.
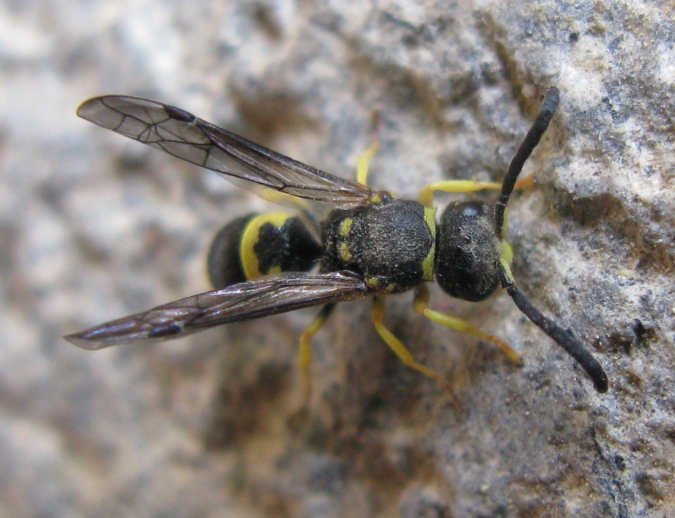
(388, 243)
(467, 258)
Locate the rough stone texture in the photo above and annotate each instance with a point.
(94, 226)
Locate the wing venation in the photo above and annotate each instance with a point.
(194, 140)
(245, 301)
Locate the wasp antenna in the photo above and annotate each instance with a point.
(546, 112)
(563, 337)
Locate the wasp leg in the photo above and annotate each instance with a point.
(364, 158)
(305, 358)
(404, 354)
(427, 193)
(421, 306)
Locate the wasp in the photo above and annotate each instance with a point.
(370, 244)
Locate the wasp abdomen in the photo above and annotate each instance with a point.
(261, 244)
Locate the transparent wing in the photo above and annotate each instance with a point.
(185, 136)
(245, 301)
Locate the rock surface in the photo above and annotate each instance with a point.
(94, 226)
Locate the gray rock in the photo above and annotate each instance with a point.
(94, 226)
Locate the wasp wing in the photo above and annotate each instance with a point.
(194, 140)
(245, 301)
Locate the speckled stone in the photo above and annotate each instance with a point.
(94, 226)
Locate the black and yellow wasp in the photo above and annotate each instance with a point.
(370, 243)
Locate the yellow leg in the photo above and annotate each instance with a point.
(427, 193)
(364, 159)
(421, 306)
(403, 353)
(524, 183)
(305, 357)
